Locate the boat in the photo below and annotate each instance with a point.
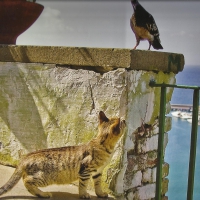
(186, 115)
(183, 115)
(176, 113)
(190, 120)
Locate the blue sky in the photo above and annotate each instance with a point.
(107, 24)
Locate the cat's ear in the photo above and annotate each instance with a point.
(102, 117)
(116, 127)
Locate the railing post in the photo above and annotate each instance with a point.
(160, 143)
(193, 144)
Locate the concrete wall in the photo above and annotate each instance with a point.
(50, 97)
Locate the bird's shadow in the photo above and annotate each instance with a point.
(55, 196)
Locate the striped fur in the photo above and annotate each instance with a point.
(67, 164)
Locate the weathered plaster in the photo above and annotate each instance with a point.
(49, 106)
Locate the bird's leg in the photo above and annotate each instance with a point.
(137, 43)
(149, 45)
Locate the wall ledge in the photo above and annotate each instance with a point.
(97, 59)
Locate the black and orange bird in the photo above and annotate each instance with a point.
(144, 26)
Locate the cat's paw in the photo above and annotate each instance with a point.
(102, 195)
(45, 195)
(84, 196)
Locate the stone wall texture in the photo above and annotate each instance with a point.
(55, 103)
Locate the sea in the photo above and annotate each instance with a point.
(178, 148)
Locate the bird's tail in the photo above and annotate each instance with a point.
(12, 181)
(156, 43)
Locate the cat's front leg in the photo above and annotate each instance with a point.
(83, 182)
(97, 185)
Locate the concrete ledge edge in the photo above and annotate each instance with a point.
(102, 59)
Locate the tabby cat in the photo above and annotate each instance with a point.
(67, 164)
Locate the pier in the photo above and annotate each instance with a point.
(182, 107)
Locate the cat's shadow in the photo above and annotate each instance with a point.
(55, 196)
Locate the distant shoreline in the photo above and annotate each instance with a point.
(185, 107)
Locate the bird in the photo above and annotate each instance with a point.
(144, 26)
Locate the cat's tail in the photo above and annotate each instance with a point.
(12, 181)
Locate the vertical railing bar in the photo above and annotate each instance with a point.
(193, 144)
(160, 143)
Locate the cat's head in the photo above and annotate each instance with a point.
(110, 130)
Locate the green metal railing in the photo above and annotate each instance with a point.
(193, 143)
